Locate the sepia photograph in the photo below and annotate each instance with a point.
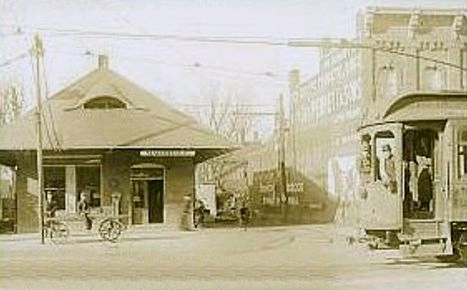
(233, 144)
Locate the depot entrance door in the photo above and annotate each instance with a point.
(148, 194)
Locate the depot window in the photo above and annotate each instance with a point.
(54, 183)
(88, 181)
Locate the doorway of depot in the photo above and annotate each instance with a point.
(148, 195)
(155, 201)
(148, 201)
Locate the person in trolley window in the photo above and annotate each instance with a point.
(364, 167)
(386, 169)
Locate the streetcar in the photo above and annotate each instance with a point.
(413, 174)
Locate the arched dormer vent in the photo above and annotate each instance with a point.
(104, 103)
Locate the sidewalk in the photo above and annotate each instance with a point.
(134, 232)
(162, 232)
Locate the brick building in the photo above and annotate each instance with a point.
(113, 140)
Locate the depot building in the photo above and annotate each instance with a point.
(119, 144)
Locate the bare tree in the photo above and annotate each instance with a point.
(228, 114)
(11, 103)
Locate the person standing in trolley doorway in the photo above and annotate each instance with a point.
(387, 169)
(83, 209)
(425, 188)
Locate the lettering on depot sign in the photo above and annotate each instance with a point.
(167, 153)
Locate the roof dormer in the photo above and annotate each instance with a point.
(104, 102)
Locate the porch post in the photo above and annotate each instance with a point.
(70, 189)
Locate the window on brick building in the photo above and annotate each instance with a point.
(389, 81)
(434, 78)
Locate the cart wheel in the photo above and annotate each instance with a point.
(110, 229)
(59, 233)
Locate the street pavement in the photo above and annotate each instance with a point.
(297, 257)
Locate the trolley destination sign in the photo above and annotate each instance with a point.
(167, 153)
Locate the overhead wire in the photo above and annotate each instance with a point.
(263, 77)
(121, 17)
(151, 36)
(195, 65)
(431, 59)
(14, 59)
(48, 105)
(244, 40)
(231, 40)
(48, 134)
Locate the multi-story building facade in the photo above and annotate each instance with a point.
(396, 51)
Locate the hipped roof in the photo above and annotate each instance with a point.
(146, 122)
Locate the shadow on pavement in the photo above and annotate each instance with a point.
(431, 263)
(92, 240)
(150, 238)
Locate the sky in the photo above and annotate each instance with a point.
(181, 72)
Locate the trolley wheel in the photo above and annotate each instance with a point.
(59, 233)
(110, 229)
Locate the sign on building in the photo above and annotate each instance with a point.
(167, 153)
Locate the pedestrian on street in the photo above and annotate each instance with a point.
(199, 213)
(51, 207)
(185, 222)
(244, 214)
(83, 209)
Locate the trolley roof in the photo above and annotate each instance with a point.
(422, 106)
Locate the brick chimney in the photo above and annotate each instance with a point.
(103, 61)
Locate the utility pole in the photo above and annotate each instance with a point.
(294, 96)
(38, 52)
(281, 181)
(281, 156)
